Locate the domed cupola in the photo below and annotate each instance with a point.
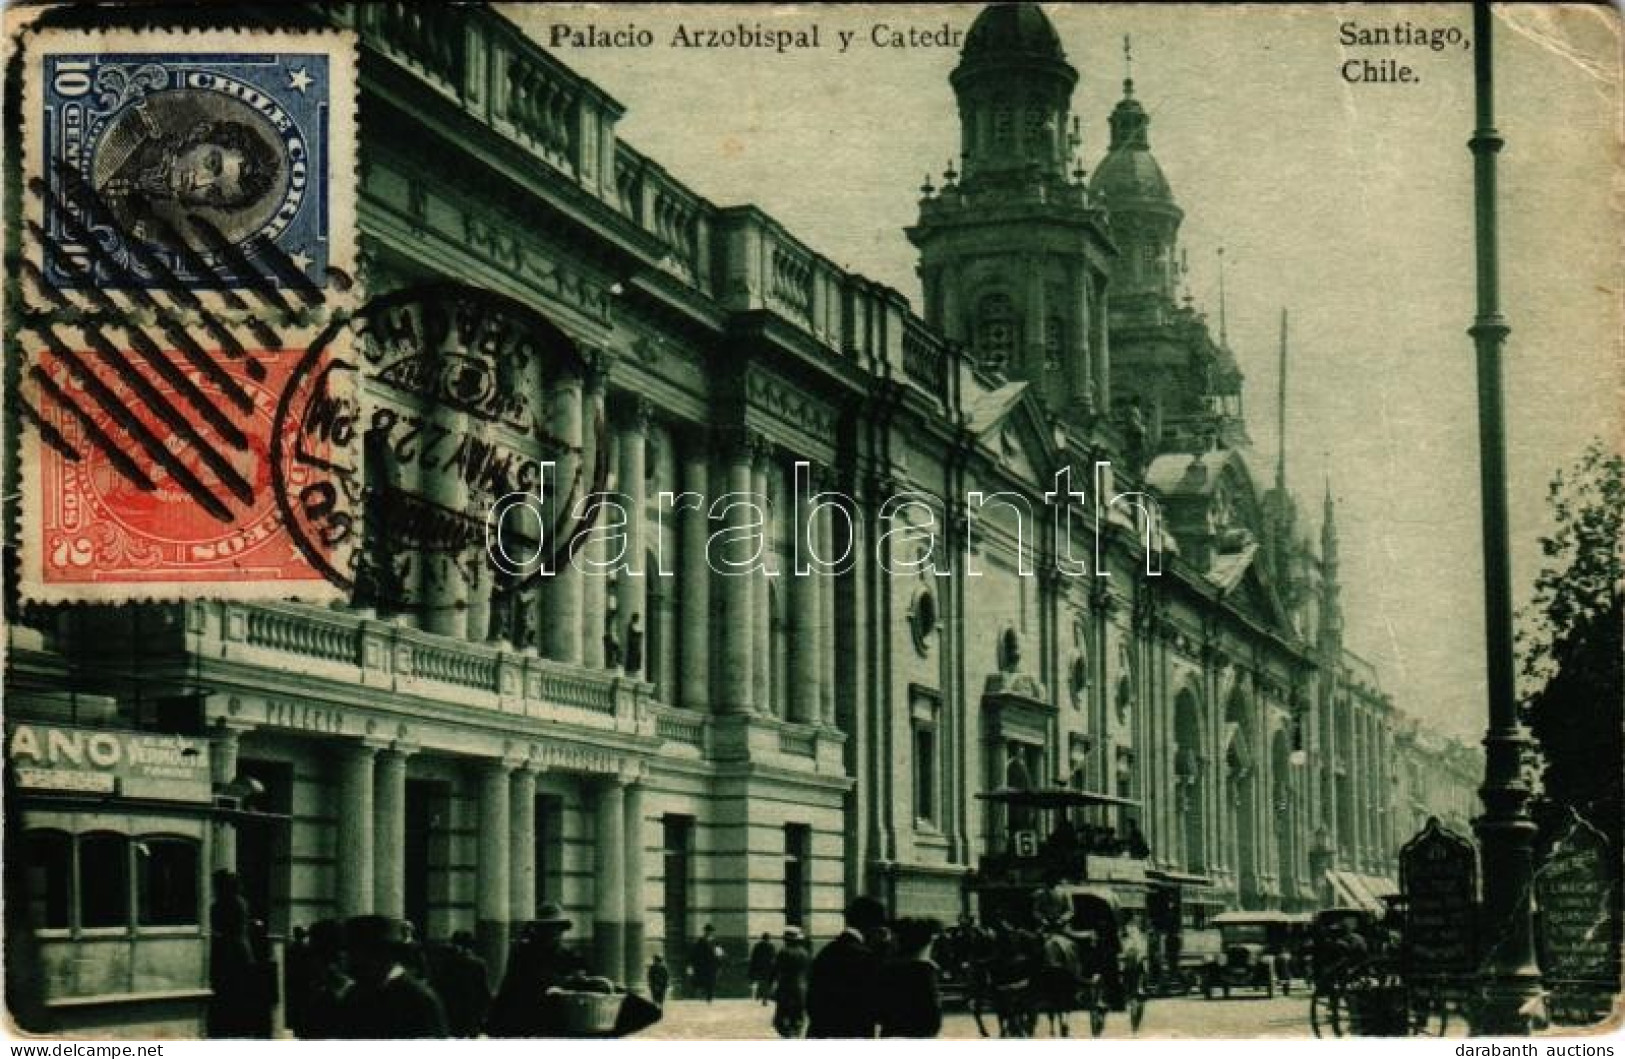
(1145, 220)
(1014, 250)
(1003, 32)
(1015, 89)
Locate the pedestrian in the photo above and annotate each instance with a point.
(762, 955)
(538, 962)
(265, 981)
(296, 973)
(459, 975)
(385, 1003)
(705, 962)
(659, 979)
(842, 986)
(910, 1003)
(326, 984)
(789, 984)
(234, 974)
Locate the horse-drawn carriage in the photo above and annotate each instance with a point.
(1060, 914)
(1366, 986)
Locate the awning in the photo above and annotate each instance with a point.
(1360, 891)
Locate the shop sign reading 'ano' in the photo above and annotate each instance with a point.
(68, 760)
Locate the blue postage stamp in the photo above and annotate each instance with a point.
(194, 169)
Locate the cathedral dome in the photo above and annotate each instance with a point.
(1130, 174)
(1006, 31)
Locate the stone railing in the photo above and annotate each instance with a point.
(307, 633)
(661, 206)
(925, 359)
(505, 81)
(676, 725)
(426, 38)
(360, 650)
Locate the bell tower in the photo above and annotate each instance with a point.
(1014, 250)
(1167, 367)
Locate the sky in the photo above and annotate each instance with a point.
(1350, 205)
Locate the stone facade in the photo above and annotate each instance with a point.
(786, 742)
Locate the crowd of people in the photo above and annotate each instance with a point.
(874, 978)
(370, 978)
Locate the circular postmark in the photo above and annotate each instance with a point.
(206, 146)
(428, 453)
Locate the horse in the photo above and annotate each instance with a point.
(1022, 974)
(999, 969)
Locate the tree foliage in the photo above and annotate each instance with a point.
(1572, 646)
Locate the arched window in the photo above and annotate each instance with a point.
(996, 329)
(1054, 341)
(1004, 123)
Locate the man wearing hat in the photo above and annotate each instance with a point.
(841, 990)
(385, 1002)
(789, 983)
(539, 962)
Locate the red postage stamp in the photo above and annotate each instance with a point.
(151, 472)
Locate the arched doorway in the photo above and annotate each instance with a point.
(1189, 794)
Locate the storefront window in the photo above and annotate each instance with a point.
(104, 880)
(166, 881)
(48, 856)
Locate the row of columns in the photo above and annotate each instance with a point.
(1357, 809)
(744, 600)
(572, 608)
(371, 843)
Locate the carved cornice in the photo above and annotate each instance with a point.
(808, 414)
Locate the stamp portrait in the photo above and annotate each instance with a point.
(185, 165)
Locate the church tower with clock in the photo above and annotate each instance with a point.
(1015, 253)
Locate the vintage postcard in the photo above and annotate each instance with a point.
(725, 521)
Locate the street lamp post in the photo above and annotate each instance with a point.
(1510, 979)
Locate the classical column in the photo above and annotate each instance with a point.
(1082, 384)
(761, 596)
(825, 588)
(1101, 359)
(354, 860)
(559, 617)
(739, 653)
(631, 586)
(445, 589)
(595, 589)
(1361, 764)
(660, 643)
(222, 770)
(636, 906)
(806, 632)
(1036, 353)
(522, 847)
(389, 835)
(491, 870)
(609, 878)
(694, 602)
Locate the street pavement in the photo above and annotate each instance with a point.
(1240, 1016)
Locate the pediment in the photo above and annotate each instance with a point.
(1012, 427)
